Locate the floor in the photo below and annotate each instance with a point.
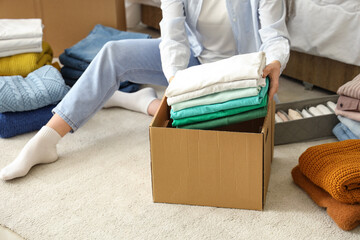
(289, 90)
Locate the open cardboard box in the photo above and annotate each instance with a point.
(223, 167)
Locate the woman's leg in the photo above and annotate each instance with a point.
(133, 60)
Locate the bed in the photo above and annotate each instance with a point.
(325, 39)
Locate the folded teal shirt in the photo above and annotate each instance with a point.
(236, 103)
(220, 114)
(241, 117)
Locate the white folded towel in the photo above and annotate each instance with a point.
(20, 28)
(220, 87)
(239, 67)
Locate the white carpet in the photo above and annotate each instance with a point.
(101, 189)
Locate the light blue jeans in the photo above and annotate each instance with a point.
(134, 60)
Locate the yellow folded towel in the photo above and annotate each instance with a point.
(23, 64)
(335, 167)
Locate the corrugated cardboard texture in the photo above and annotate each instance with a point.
(67, 21)
(308, 128)
(221, 168)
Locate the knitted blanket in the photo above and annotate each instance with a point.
(15, 123)
(346, 216)
(335, 167)
(23, 64)
(40, 88)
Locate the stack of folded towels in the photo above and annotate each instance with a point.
(77, 58)
(219, 93)
(348, 110)
(29, 86)
(330, 175)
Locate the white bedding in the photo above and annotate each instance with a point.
(326, 28)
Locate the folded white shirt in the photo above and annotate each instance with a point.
(331, 105)
(306, 114)
(20, 43)
(19, 51)
(239, 67)
(20, 28)
(314, 111)
(215, 88)
(324, 110)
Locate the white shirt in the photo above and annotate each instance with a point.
(214, 27)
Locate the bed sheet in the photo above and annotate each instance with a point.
(326, 28)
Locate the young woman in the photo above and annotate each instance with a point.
(193, 32)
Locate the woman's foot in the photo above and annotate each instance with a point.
(138, 101)
(40, 149)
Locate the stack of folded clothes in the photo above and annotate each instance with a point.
(219, 93)
(330, 175)
(20, 36)
(78, 57)
(29, 85)
(26, 103)
(348, 110)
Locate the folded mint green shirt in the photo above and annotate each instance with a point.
(241, 117)
(217, 98)
(220, 114)
(205, 109)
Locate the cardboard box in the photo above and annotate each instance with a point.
(305, 129)
(225, 167)
(67, 21)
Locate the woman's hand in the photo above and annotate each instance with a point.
(273, 71)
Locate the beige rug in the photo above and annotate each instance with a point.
(101, 189)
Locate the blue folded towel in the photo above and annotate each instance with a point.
(87, 48)
(40, 88)
(16, 123)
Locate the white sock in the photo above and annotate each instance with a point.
(40, 149)
(138, 101)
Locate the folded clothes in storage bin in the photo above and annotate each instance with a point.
(15, 123)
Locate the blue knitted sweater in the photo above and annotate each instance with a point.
(40, 88)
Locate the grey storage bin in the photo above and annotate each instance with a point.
(308, 128)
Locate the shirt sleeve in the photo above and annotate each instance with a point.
(174, 45)
(273, 31)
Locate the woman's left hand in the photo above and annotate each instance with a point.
(273, 71)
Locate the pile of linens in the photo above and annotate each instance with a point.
(348, 110)
(220, 93)
(330, 175)
(29, 85)
(77, 58)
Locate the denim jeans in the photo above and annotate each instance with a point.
(343, 133)
(134, 60)
(352, 125)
